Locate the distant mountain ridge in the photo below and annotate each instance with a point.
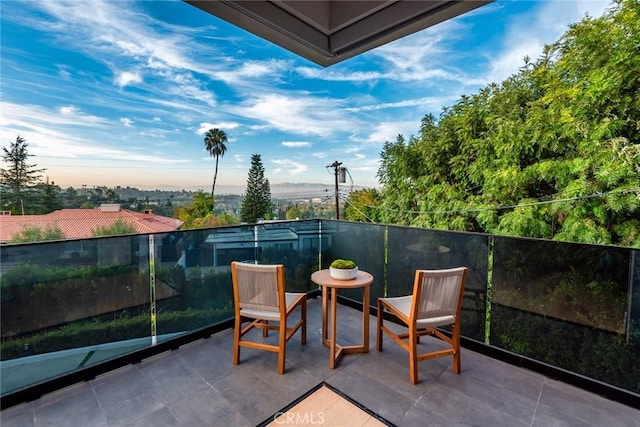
(282, 189)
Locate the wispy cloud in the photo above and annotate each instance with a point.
(296, 144)
(225, 126)
(389, 131)
(305, 114)
(52, 133)
(289, 167)
(126, 78)
(429, 103)
(248, 72)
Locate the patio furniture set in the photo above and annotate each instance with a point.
(260, 297)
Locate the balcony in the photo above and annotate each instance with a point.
(87, 327)
(196, 385)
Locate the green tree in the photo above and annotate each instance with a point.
(32, 233)
(111, 196)
(117, 228)
(257, 198)
(552, 151)
(293, 212)
(50, 197)
(214, 141)
(363, 205)
(18, 180)
(198, 214)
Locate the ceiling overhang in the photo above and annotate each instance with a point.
(327, 32)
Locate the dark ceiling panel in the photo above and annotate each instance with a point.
(327, 32)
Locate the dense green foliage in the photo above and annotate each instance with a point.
(551, 152)
(199, 213)
(362, 205)
(257, 198)
(118, 227)
(32, 233)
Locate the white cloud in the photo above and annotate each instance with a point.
(296, 144)
(429, 103)
(305, 115)
(126, 122)
(225, 126)
(292, 167)
(69, 114)
(249, 71)
(388, 131)
(53, 133)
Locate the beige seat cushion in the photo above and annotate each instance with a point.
(403, 305)
(266, 314)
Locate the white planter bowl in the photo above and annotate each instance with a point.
(343, 274)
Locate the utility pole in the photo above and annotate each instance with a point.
(336, 168)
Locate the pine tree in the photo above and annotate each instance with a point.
(50, 199)
(257, 198)
(17, 182)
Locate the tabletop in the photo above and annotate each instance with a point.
(322, 278)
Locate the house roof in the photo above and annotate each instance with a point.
(327, 31)
(79, 223)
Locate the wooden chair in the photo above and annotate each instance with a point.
(259, 294)
(436, 301)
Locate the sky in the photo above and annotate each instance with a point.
(121, 93)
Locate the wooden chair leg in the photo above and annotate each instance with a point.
(265, 331)
(455, 338)
(413, 355)
(282, 345)
(236, 340)
(379, 327)
(303, 315)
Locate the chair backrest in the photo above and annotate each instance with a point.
(259, 287)
(438, 292)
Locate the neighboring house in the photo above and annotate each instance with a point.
(79, 223)
(224, 245)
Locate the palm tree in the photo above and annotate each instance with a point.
(214, 141)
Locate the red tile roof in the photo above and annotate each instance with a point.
(78, 223)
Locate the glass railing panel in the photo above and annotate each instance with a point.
(412, 249)
(68, 305)
(362, 243)
(193, 277)
(634, 316)
(565, 304)
(296, 245)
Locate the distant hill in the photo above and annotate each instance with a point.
(283, 190)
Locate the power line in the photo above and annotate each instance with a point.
(521, 205)
(359, 211)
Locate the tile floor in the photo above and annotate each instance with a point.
(196, 385)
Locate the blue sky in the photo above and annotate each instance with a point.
(122, 92)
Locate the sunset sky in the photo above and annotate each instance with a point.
(122, 92)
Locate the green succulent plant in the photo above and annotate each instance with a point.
(343, 264)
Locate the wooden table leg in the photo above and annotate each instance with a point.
(324, 315)
(365, 319)
(332, 343)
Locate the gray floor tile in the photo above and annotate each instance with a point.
(18, 416)
(587, 407)
(197, 385)
(160, 418)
